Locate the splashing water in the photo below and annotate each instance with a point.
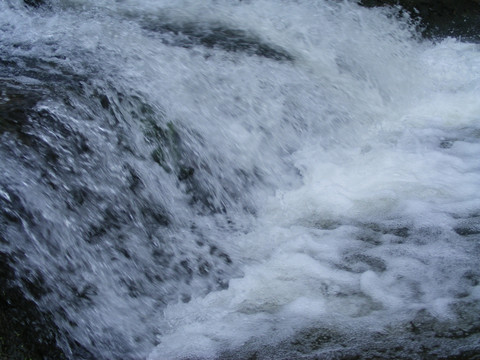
(235, 179)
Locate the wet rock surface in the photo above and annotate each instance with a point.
(438, 19)
(25, 332)
(425, 337)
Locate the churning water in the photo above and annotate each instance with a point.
(240, 179)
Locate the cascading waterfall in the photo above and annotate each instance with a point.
(240, 179)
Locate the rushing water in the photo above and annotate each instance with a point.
(240, 179)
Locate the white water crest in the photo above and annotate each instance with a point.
(319, 175)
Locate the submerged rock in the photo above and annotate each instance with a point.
(440, 18)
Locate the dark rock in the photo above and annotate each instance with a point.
(468, 227)
(362, 262)
(15, 108)
(104, 102)
(25, 332)
(185, 173)
(221, 37)
(33, 3)
(309, 340)
(446, 144)
(397, 230)
(440, 18)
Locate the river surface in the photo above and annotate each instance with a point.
(223, 179)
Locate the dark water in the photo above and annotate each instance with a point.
(236, 179)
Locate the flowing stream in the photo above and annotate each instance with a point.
(228, 179)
